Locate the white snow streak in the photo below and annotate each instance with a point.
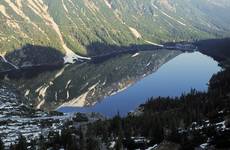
(181, 23)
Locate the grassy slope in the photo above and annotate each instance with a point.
(83, 22)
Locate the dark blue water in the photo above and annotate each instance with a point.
(179, 75)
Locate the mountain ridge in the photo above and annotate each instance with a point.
(71, 26)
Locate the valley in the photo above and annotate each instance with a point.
(13, 117)
(114, 74)
(44, 89)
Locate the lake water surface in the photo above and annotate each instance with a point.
(179, 75)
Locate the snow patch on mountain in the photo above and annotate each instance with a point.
(149, 42)
(64, 6)
(172, 18)
(2, 55)
(108, 4)
(81, 100)
(135, 32)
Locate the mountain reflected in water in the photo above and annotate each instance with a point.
(179, 75)
(84, 85)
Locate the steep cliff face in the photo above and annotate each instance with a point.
(77, 26)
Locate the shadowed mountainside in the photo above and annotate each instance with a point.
(219, 49)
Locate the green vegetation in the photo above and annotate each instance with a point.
(5, 66)
(21, 145)
(217, 48)
(1, 145)
(80, 23)
(30, 55)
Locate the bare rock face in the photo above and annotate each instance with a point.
(167, 4)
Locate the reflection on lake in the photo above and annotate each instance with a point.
(81, 85)
(186, 71)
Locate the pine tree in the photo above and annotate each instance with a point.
(1, 144)
(41, 143)
(22, 144)
(72, 144)
(33, 144)
(119, 145)
(82, 140)
(92, 144)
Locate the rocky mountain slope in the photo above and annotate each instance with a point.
(90, 27)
